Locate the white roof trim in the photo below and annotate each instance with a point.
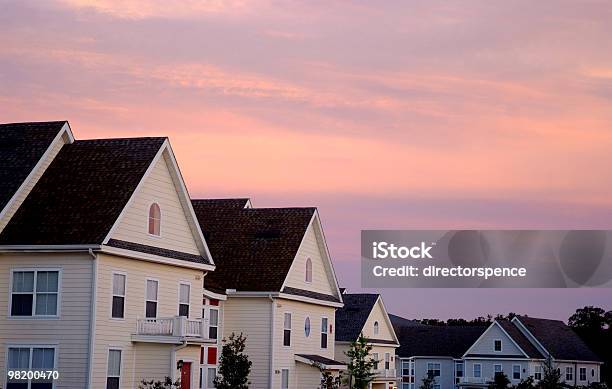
(495, 323)
(155, 258)
(531, 335)
(308, 361)
(387, 319)
(210, 294)
(58, 137)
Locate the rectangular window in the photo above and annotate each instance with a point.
(213, 323)
(324, 329)
(35, 293)
(516, 372)
(151, 298)
(405, 368)
(497, 369)
(569, 373)
(285, 379)
(582, 374)
(497, 345)
(118, 304)
(537, 373)
(184, 291)
(387, 361)
(433, 369)
(459, 369)
(477, 370)
(287, 330)
(210, 377)
(31, 358)
(375, 359)
(113, 371)
(405, 386)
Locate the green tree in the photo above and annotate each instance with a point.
(500, 381)
(527, 383)
(360, 364)
(234, 364)
(428, 382)
(328, 381)
(551, 376)
(590, 318)
(165, 384)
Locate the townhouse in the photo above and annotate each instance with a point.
(469, 357)
(274, 283)
(102, 260)
(365, 314)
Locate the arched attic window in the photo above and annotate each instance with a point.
(375, 328)
(308, 270)
(154, 219)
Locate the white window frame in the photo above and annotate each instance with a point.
(376, 328)
(308, 260)
(106, 376)
(290, 328)
(376, 361)
(433, 369)
(537, 370)
(31, 347)
(112, 294)
(387, 361)
(326, 332)
(178, 305)
(520, 372)
(156, 301)
(501, 368)
(209, 309)
(160, 219)
(479, 370)
(501, 345)
(34, 315)
(307, 320)
(282, 374)
(580, 370)
(569, 370)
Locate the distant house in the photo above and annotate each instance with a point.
(366, 314)
(280, 290)
(469, 357)
(102, 260)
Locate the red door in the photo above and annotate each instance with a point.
(186, 375)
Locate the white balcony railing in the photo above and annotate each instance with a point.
(385, 373)
(473, 380)
(173, 326)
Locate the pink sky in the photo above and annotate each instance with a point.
(411, 114)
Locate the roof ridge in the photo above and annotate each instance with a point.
(30, 123)
(121, 138)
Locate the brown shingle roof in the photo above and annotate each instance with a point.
(520, 339)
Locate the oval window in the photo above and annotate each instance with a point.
(307, 327)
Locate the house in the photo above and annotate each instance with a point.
(469, 357)
(435, 350)
(102, 258)
(280, 289)
(366, 314)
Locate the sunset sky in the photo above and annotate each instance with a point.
(395, 114)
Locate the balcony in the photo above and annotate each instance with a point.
(473, 380)
(385, 373)
(175, 329)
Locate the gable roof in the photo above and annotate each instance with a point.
(558, 339)
(253, 247)
(82, 192)
(351, 318)
(520, 339)
(22, 145)
(439, 341)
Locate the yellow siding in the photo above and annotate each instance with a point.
(251, 316)
(70, 332)
(322, 276)
(152, 361)
(29, 185)
(176, 233)
(284, 357)
(117, 332)
(378, 315)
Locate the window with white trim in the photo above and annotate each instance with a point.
(583, 374)
(569, 373)
(497, 345)
(287, 330)
(35, 358)
(151, 298)
(154, 220)
(118, 301)
(285, 379)
(211, 374)
(376, 328)
(324, 332)
(375, 359)
(308, 277)
(433, 369)
(35, 292)
(213, 323)
(497, 368)
(113, 371)
(537, 373)
(387, 361)
(458, 372)
(184, 292)
(405, 368)
(516, 372)
(477, 370)
(307, 327)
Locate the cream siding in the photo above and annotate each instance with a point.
(322, 275)
(117, 332)
(284, 357)
(176, 233)
(378, 314)
(251, 316)
(31, 182)
(70, 332)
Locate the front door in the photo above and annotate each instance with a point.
(186, 375)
